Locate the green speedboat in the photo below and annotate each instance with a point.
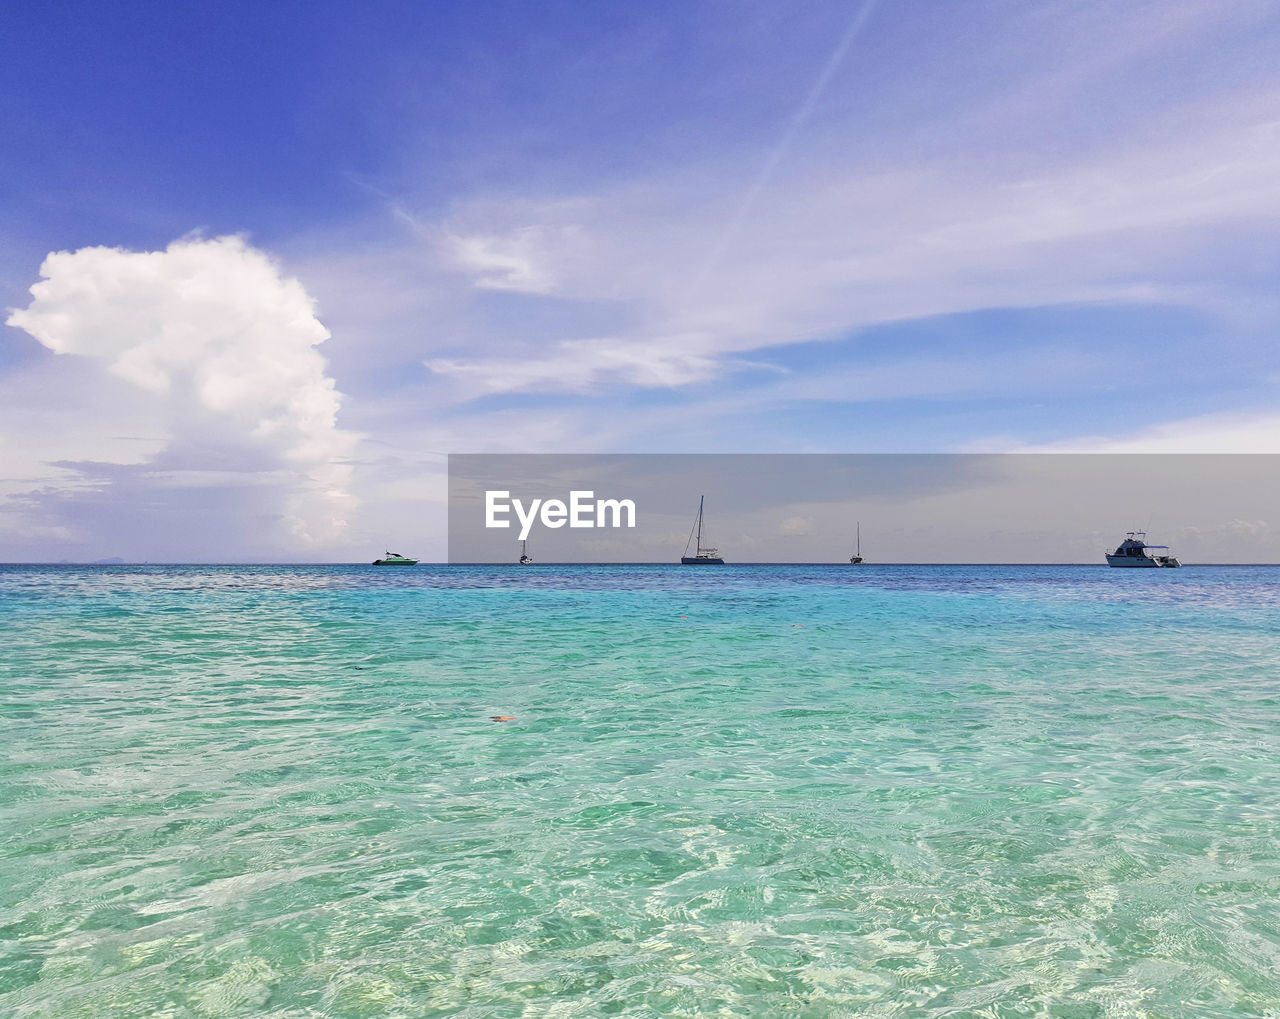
(395, 559)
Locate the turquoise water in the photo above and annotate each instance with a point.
(808, 791)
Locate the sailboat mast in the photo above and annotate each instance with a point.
(859, 550)
(700, 501)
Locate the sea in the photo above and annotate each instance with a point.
(494, 791)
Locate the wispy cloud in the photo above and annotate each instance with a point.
(833, 251)
(581, 365)
(517, 261)
(1234, 432)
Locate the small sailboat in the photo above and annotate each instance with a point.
(525, 558)
(395, 559)
(703, 556)
(856, 558)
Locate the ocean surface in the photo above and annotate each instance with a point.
(768, 791)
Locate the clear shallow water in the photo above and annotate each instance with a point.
(810, 791)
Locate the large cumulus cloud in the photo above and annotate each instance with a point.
(212, 331)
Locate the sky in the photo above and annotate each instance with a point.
(264, 266)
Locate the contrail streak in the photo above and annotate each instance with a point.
(752, 197)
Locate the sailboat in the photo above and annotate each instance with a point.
(525, 558)
(856, 558)
(705, 556)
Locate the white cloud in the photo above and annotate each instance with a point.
(579, 365)
(215, 335)
(1208, 433)
(830, 248)
(796, 526)
(1058, 174)
(519, 260)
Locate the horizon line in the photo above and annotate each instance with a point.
(638, 562)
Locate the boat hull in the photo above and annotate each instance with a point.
(690, 560)
(1139, 562)
(395, 562)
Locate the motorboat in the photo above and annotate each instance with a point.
(395, 559)
(1135, 552)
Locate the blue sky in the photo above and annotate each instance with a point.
(306, 249)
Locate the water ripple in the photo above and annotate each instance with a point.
(803, 791)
